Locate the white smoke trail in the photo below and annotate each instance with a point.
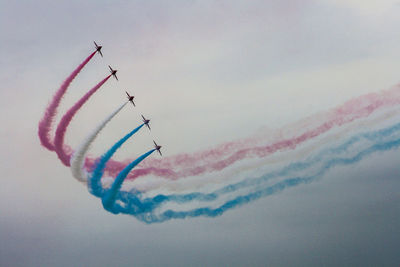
(78, 158)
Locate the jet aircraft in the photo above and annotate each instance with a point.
(130, 98)
(113, 73)
(157, 147)
(98, 48)
(146, 122)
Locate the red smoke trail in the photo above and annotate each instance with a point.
(46, 122)
(200, 163)
(64, 152)
(222, 156)
(356, 108)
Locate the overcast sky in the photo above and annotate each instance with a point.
(205, 72)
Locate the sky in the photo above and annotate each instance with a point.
(204, 72)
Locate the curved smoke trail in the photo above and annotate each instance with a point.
(64, 152)
(95, 180)
(278, 187)
(108, 197)
(78, 157)
(239, 171)
(185, 165)
(45, 124)
(232, 194)
(320, 158)
(192, 165)
(359, 107)
(145, 209)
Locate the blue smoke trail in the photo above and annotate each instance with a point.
(240, 200)
(108, 198)
(143, 209)
(297, 166)
(278, 187)
(94, 182)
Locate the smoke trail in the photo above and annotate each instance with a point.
(278, 187)
(355, 108)
(150, 209)
(45, 124)
(192, 164)
(238, 171)
(95, 180)
(322, 156)
(108, 198)
(64, 152)
(144, 209)
(78, 157)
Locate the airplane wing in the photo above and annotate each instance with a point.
(155, 143)
(133, 103)
(115, 75)
(110, 68)
(127, 94)
(95, 44)
(148, 126)
(143, 118)
(101, 54)
(160, 152)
